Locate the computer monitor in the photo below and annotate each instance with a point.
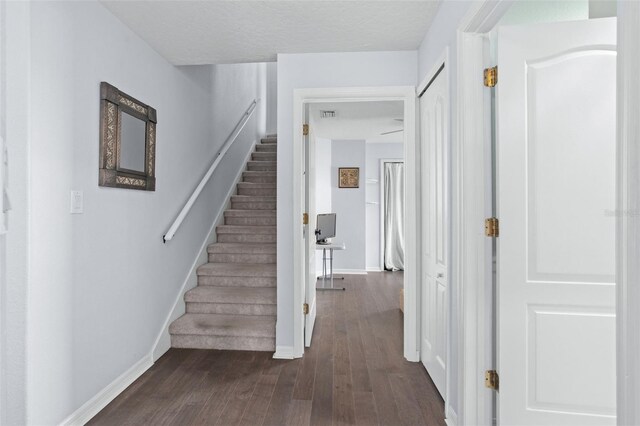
(325, 227)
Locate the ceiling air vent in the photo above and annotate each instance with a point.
(327, 114)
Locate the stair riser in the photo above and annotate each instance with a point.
(257, 191)
(230, 309)
(257, 167)
(264, 156)
(269, 141)
(232, 229)
(241, 258)
(251, 221)
(236, 281)
(272, 147)
(267, 205)
(266, 344)
(260, 179)
(247, 238)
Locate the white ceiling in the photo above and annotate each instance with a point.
(210, 32)
(359, 120)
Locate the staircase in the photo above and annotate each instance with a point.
(234, 304)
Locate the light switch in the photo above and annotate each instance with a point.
(77, 202)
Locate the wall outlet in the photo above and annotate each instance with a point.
(77, 202)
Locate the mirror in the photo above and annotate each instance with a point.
(132, 143)
(127, 141)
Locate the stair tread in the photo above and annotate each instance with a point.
(266, 270)
(242, 248)
(243, 295)
(268, 185)
(224, 325)
(249, 213)
(254, 197)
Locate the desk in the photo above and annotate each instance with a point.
(325, 276)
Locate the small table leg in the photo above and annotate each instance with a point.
(324, 271)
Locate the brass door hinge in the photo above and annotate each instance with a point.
(491, 379)
(491, 76)
(305, 130)
(492, 227)
(305, 308)
(305, 218)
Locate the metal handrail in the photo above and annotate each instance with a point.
(187, 207)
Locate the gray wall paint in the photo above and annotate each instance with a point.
(349, 206)
(100, 284)
(323, 186)
(14, 293)
(272, 97)
(375, 152)
(316, 70)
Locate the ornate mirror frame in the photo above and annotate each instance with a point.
(113, 103)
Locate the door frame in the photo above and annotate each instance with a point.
(628, 217)
(406, 94)
(470, 249)
(382, 205)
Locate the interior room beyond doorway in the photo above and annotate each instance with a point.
(365, 138)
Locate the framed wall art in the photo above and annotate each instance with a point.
(348, 177)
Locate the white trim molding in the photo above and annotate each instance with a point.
(628, 217)
(471, 251)
(283, 352)
(406, 94)
(92, 407)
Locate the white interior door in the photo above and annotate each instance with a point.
(309, 232)
(556, 200)
(434, 286)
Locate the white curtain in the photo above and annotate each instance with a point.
(394, 216)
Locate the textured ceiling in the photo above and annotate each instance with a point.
(211, 32)
(359, 120)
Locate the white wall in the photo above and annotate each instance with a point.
(374, 153)
(14, 292)
(272, 97)
(323, 186)
(349, 206)
(100, 284)
(317, 70)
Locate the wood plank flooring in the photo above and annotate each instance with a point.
(353, 374)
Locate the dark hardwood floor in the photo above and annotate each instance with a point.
(354, 373)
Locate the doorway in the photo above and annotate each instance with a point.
(539, 324)
(305, 293)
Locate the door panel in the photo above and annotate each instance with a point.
(556, 197)
(434, 148)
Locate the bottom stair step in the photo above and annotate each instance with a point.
(214, 331)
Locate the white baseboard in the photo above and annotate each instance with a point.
(92, 407)
(163, 342)
(374, 269)
(349, 272)
(283, 352)
(451, 418)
